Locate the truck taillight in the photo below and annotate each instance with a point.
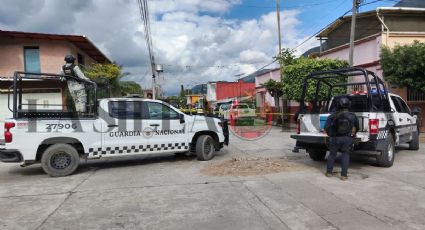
(8, 137)
(298, 129)
(373, 126)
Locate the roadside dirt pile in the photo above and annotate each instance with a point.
(251, 167)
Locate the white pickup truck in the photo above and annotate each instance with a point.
(385, 119)
(239, 112)
(117, 127)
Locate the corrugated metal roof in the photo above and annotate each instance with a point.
(80, 41)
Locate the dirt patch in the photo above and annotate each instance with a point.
(251, 167)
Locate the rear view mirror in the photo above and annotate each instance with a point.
(182, 119)
(416, 111)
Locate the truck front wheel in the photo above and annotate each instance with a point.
(317, 154)
(205, 148)
(386, 158)
(414, 143)
(60, 160)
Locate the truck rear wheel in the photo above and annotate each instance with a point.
(205, 148)
(414, 143)
(386, 158)
(317, 154)
(60, 160)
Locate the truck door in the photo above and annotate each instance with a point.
(123, 130)
(403, 120)
(169, 134)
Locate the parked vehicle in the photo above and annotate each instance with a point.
(238, 112)
(116, 126)
(385, 119)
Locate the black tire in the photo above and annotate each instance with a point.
(317, 154)
(60, 160)
(414, 143)
(205, 148)
(386, 158)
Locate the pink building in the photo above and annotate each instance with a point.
(264, 100)
(386, 26)
(40, 53)
(262, 96)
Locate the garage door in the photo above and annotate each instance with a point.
(44, 101)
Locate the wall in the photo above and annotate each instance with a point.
(234, 89)
(52, 54)
(211, 91)
(365, 52)
(261, 79)
(365, 26)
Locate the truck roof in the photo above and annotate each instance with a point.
(131, 99)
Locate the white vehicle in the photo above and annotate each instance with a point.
(117, 127)
(385, 119)
(238, 111)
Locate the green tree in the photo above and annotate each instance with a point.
(294, 74)
(404, 66)
(107, 76)
(286, 57)
(275, 88)
(130, 87)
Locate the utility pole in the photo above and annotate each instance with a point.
(279, 53)
(153, 87)
(278, 25)
(157, 69)
(353, 31)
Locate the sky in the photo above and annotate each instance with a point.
(196, 41)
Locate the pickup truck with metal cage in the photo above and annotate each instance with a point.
(59, 138)
(385, 119)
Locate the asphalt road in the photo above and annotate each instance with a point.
(169, 192)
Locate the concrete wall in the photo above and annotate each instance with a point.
(365, 52)
(52, 54)
(234, 89)
(261, 79)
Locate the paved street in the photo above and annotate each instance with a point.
(171, 192)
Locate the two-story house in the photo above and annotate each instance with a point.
(41, 53)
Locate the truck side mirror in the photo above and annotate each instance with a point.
(182, 119)
(416, 111)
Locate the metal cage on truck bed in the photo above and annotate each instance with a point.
(30, 109)
(350, 80)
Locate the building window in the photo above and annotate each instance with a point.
(80, 59)
(32, 59)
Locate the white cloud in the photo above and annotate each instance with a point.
(190, 37)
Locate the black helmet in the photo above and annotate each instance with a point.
(69, 58)
(344, 103)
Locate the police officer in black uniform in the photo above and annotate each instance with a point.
(341, 128)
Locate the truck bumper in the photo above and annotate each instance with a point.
(311, 142)
(10, 155)
(225, 131)
(320, 142)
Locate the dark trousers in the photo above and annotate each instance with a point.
(342, 144)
